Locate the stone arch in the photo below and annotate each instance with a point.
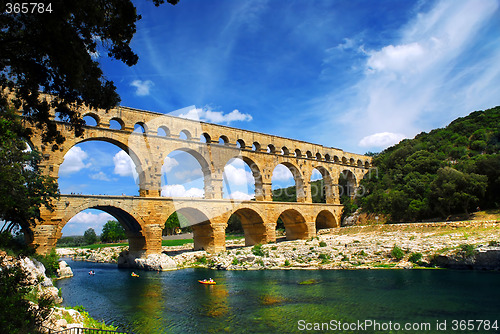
(299, 182)
(347, 183)
(118, 121)
(309, 154)
(326, 219)
(271, 149)
(295, 224)
(285, 151)
(256, 146)
(205, 137)
(223, 140)
(344, 160)
(328, 157)
(240, 143)
(298, 153)
(94, 116)
(140, 126)
(131, 222)
(367, 164)
(336, 159)
(205, 167)
(185, 135)
(328, 191)
(360, 163)
(351, 162)
(139, 166)
(318, 156)
(253, 226)
(203, 231)
(163, 131)
(256, 173)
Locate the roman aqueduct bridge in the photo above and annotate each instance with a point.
(149, 137)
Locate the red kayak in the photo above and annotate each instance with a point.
(207, 282)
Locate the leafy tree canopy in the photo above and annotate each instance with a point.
(112, 231)
(447, 171)
(57, 53)
(23, 189)
(90, 237)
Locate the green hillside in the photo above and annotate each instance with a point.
(448, 171)
(290, 194)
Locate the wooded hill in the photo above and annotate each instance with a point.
(448, 171)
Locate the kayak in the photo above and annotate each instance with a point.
(134, 275)
(207, 282)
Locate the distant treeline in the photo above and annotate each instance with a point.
(454, 170)
(289, 194)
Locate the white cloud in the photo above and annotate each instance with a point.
(178, 190)
(236, 175)
(124, 166)
(168, 164)
(85, 220)
(381, 140)
(316, 175)
(188, 175)
(100, 176)
(207, 115)
(239, 195)
(405, 57)
(142, 87)
(74, 161)
(282, 173)
(436, 71)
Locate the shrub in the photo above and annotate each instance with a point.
(322, 244)
(287, 263)
(274, 247)
(493, 243)
(257, 250)
(415, 257)
(17, 316)
(397, 252)
(467, 250)
(235, 262)
(50, 262)
(201, 260)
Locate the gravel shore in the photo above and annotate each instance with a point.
(358, 247)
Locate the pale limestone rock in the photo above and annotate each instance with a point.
(64, 270)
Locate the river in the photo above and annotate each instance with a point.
(273, 301)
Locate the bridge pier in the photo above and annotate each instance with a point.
(45, 238)
(146, 243)
(210, 237)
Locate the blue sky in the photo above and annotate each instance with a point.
(355, 75)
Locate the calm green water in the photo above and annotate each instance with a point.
(274, 302)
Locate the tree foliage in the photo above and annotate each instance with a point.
(90, 237)
(447, 171)
(23, 188)
(112, 231)
(51, 61)
(57, 53)
(176, 220)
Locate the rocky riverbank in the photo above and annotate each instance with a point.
(456, 245)
(41, 287)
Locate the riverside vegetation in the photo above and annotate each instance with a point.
(465, 244)
(30, 302)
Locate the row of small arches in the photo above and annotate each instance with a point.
(163, 131)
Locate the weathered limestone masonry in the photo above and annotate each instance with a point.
(157, 135)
